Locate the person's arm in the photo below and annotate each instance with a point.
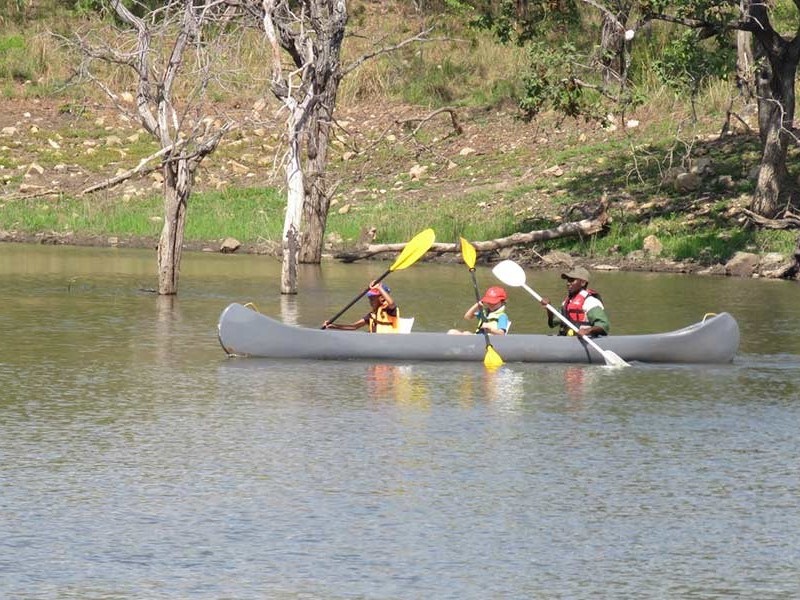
(345, 327)
(598, 322)
(390, 304)
(552, 320)
(471, 311)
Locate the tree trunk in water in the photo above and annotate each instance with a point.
(776, 100)
(327, 76)
(295, 185)
(177, 188)
(317, 199)
(289, 265)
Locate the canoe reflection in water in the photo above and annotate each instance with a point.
(398, 383)
(502, 388)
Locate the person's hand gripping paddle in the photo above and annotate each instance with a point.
(513, 275)
(491, 359)
(412, 252)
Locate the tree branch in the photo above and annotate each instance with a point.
(585, 227)
(109, 183)
(421, 121)
(422, 36)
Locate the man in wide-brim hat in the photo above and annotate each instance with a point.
(582, 306)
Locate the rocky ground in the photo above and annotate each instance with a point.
(51, 147)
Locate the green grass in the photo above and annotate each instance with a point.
(248, 215)
(705, 242)
(397, 219)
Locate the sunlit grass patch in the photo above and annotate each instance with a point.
(248, 215)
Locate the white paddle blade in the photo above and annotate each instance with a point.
(509, 273)
(613, 359)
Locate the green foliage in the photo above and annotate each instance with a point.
(553, 83)
(11, 42)
(16, 61)
(86, 7)
(707, 246)
(512, 22)
(685, 63)
(784, 17)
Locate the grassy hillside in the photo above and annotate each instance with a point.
(397, 164)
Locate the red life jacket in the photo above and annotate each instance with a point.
(572, 308)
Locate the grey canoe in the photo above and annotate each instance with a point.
(245, 332)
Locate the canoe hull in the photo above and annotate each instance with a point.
(245, 332)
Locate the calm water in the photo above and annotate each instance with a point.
(139, 462)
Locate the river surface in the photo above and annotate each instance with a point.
(138, 462)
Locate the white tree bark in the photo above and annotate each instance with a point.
(294, 208)
(296, 92)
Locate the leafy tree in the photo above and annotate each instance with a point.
(575, 68)
(685, 63)
(555, 80)
(775, 74)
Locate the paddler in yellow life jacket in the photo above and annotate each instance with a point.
(383, 316)
(494, 319)
(582, 306)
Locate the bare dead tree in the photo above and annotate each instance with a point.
(306, 38)
(161, 48)
(613, 49)
(745, 62)
(310, 32)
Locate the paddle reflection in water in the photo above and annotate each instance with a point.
(501, 387)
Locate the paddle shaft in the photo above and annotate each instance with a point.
(357, 298)
(566, 321)
(411, 253)
(481, 308)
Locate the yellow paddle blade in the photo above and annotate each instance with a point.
(414, 249)
(492, 359)
(468, 253)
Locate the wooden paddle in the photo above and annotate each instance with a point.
(491, 359)
(512, 274)
(412, 252)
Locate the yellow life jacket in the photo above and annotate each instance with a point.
(381, 321)
(491, 317)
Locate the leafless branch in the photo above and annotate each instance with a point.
(137, 170)
(422, 120)
(422, 36)
(790, 220)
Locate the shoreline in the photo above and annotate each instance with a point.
(756, 266)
